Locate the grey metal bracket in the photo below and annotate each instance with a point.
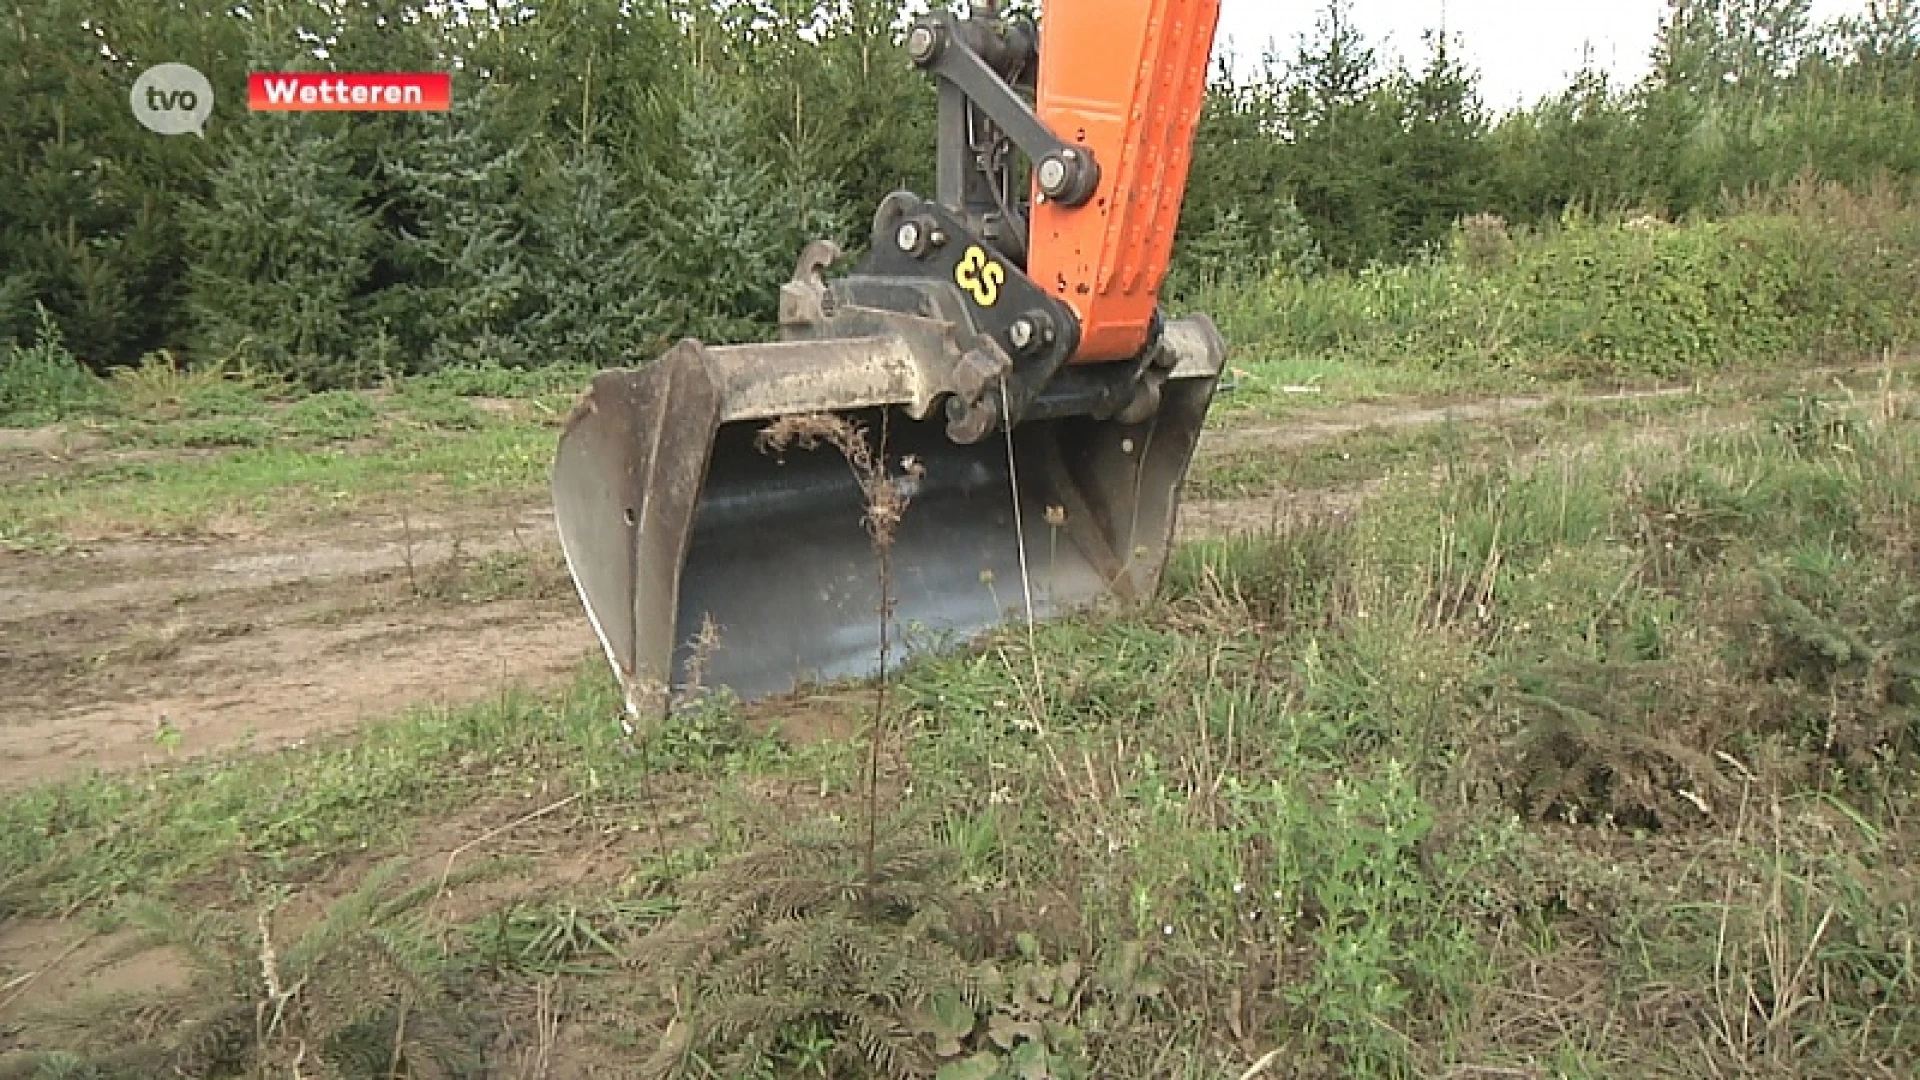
(1065, 173)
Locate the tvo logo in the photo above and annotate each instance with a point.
(172, 99)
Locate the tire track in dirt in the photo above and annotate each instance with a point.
(1204, 518)
(268, 641)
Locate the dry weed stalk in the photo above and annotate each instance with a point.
(537, 1061)
(887, 498)
(1764, 976)
(270, 1012)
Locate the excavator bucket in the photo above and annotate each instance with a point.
(1000, 349)
(706, 558)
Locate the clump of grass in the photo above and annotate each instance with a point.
(213, 433)
(161, 389)
(438, 408)
(43, 382)
(1332, 782)
(331, 416)
(500, 381)
(561, 935)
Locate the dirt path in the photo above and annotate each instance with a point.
(127, 654)
(136, 652)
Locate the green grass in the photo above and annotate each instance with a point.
(1375, 735)
(1370, 446)
(185, 450)
(1587, 741)
(43, 383)
(1597, 753)
(275, 484)
(1262, 383)
(285, 816)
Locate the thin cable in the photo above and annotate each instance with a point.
(1037, 704)
(1019, 526)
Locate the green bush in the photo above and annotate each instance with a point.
(1823, 275)
(437, 408)
(44, 383)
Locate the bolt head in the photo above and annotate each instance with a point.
(908, 238)
(1053, 175)
(1021, 333)
(921, 42)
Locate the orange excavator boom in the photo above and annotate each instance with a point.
(1127, 83)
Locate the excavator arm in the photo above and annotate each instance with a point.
(1005, 336)
(1127, 86)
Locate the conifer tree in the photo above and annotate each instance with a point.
(723, 224)
(592, 276)
(460, 237)
(88, 224)
(1572, 149)
(1338, 114)
(279, 250)
(618, 172)
(1441, 162)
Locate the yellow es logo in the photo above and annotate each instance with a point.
(980, 276)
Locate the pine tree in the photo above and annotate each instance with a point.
(1573, 149)
(724, 224)
(592, 275)
(279, 252)
(1238, 220)
(1677, 109)
(1885, 45)
(845, 114)
(460, 237)
(1443, 164)
(16, 308)
(1340, 117)
(89, 223)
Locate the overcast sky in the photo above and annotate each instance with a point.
(1522, 48)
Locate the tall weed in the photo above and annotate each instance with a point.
(43, 383)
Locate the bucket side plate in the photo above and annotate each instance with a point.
(627, 477)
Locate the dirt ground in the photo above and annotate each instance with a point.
(134, 652)
(121, 655)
